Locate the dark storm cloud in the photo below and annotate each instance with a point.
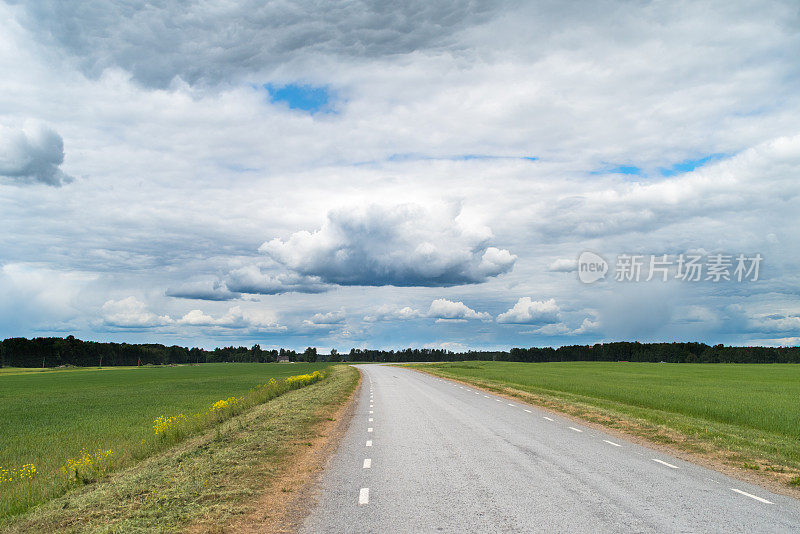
(201, 42)
(32, 155)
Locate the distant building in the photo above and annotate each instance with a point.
(283, 358)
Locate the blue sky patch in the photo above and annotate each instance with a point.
(688, 165)
(310, 98)
(620, 169)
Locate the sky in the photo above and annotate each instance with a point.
(393, 174)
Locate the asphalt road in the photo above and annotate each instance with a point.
(429, 455)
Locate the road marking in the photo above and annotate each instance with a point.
(369, 429)
(545, 417)
(372, 411)
(765, 501)
(665, 463)
(363, 496)
(370, 419)
(369, 443)
(575, 429)
(367, 463)
(527, 410)
(510, 404)
(498, 400)
(612, 443)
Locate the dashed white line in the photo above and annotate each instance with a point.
(575, 429)
(367, 463)
(665, 463)
(545, 417)
(369, 443)
(510, 404)
(487, 396)
(759, 499)
(363, 496)
(369, 429)
(527, 410)
(370, 420)
(612, 443)
(498, 400)
(371, 411)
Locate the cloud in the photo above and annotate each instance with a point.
(326, 320)
(389, 313)
(405, 245)
(203, 290)
(130, 312)
(588, 326)
(235, 318)
(251, 279)
(211, 43)
(527, 311)
(185, 180)
(32, 155)
(775, 323)
(563, 265)
(444, 310)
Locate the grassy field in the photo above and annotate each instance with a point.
(244, 475)
(750, 411)
(49, 418)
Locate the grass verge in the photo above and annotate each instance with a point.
(205, 483)
(768, 458)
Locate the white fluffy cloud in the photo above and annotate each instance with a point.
(32, 154)
(236, 317)
(444, 310)
(325, 320)
(405, 245)
(131, 312)
(528, 311)
(388, 313)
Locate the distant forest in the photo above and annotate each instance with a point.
(55, 352)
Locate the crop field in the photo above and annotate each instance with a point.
(53, 423)
(753, 407)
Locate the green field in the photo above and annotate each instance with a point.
(753, 409)
(48, 417)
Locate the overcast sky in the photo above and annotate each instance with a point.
(381, 175)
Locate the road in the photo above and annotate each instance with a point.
(429, 455)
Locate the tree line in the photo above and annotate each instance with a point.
(55, 352)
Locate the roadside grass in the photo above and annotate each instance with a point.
(209, 481)
(75, 425)
(742, 415)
